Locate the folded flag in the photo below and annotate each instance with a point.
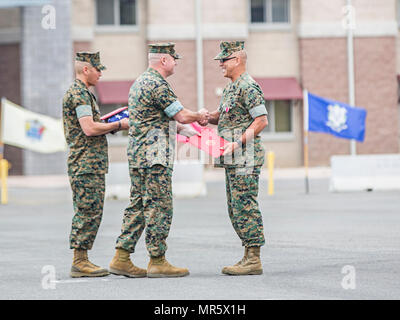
(336, 118)
(116, 115)
(209, 141)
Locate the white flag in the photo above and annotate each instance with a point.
(29, 130)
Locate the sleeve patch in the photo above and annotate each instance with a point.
(173, 109)
(83, 111)
(258, 111)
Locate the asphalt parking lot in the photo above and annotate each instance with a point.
(320, 245)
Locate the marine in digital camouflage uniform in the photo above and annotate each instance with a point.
(152, 107)
(242, 105)
(152, 104)
(87, 165)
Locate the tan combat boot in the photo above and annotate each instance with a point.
(159, 267)
(246, 253)
(82, 267)
(250, 266)
(122, 265)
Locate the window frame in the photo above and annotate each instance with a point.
(268, 25)
(279, 136)
(117, 27)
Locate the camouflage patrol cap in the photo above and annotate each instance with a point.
(229, 47)
(92, 58)
(164, 48)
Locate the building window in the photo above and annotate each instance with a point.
(280, 117)
(116, 12)
(269, 11)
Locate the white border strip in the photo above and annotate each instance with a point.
(188, 31)
(79, 33)
(335, 29)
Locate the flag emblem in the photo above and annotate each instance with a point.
(34, 129)
(337, 117)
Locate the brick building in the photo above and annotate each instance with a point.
(291, 45)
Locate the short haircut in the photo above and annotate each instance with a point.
(243, 55)
(154, 58)
(79, 66)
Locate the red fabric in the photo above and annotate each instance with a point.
(209, 141)
(108, 115)
(113, 92)
(280, 88)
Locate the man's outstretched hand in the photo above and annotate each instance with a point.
(187, 130)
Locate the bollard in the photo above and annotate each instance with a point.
(3, 177)
(271, 160)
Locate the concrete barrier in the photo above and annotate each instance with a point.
(118, 182)
(187, 180)
(365, 172)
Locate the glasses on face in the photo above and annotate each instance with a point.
(226, 59)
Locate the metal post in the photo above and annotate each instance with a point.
(3, 178)
(199, 56)
(350, 64)
(199, 62)
(271, 160)
(305, 151)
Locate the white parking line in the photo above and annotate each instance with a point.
(79, 280)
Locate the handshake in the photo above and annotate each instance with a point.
(204, 117)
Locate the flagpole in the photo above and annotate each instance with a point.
(350, 65)
(305, 144)
(1, 138)
(199, 62)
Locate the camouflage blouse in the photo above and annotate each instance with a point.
(242, 101)
(86, 154)
(152, 106)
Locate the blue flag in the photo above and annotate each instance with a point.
(336, 118)
(120, 115)
(116, 115)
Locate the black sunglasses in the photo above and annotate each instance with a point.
(226, 59)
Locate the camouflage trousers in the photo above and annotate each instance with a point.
(88, 199)
(150, 207)
(245, 215)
